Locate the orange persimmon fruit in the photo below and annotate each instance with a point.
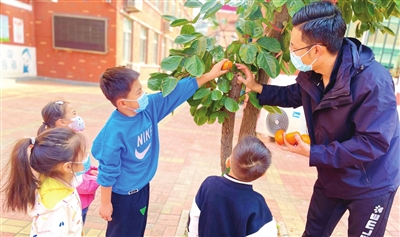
(305, 138)
(291, 139)
(279, 137)
(227, 65)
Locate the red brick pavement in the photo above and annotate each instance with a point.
(188, 154)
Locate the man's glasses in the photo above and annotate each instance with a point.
(307, 47)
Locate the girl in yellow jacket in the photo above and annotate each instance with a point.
(50, 197)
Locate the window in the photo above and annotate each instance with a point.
(143, 44)
(157, 4)
(127, 50)
(163, 48)
(155, 48)
(166, 7)
(173, 8)
(80, 33)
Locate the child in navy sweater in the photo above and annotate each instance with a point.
(228, 205)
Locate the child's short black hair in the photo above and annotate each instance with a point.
(250, 159)
(116, 82)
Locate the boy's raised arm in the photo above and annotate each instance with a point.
(215, 72)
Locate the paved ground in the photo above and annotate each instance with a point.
(188, 154)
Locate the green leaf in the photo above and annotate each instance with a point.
(257, 14)
(206, 101)
(201, 112)
(233, 48)
(193, 4)
(224, 85)
(218, 53)
(187, 30)
(211, 43)
(200, 46)
(168, 85)
(292, 68)
(370, 8)
(179, 22)
(200, 120)
(182, 52)
(347, 12)
(171, 63)
(283, 65)
(201, 93)
(158, 75)
(294, 6)
(168, 17)
(154, 84)
(183, 39)
(269, 109)
(388, 30)
(378, 15)
(196, 18)
(216, 95)
(248, 28)
(211, 121)
(217, 105)
(193, 102)
(212, 11)
(279, 3)
(258, 30)
(359, 6)
(249, 8)
(207, 59)
(207, 6)
(231, 105)
(193, 110)
(248, 52)
(270, 44)
(269, 63)
(195, 66)
(253, 100)
(285, 42)
(229, 76)
(272, 109)
(222, 115)
(240, 25)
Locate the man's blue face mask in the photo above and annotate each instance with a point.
(143, 101)
(296, 60)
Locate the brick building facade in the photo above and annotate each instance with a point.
(78, 39)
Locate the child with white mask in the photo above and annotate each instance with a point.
(61, 113)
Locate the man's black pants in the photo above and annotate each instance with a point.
(368, 217)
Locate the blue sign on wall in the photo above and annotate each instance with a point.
(296, 114)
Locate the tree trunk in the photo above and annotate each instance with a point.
(250, 113)
(228, 126)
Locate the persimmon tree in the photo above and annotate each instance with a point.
(263, 29)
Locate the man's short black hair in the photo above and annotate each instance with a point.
(321, 23)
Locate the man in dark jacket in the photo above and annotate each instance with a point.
(350, 108)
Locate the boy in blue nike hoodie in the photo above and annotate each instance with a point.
(127, 147)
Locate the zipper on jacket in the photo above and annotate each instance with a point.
(365, 172)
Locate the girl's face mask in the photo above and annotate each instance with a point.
(78, 125)
(86, 165)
